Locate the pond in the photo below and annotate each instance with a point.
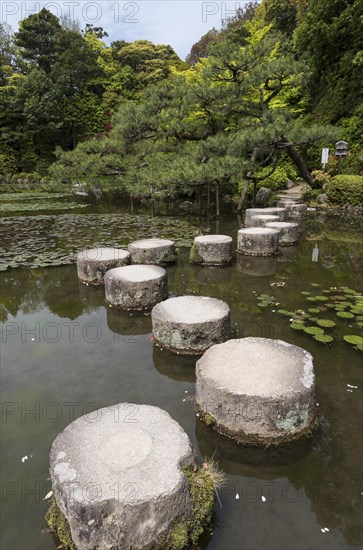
(65, 353)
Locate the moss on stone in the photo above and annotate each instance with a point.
(188, 530)
(59, 525)
(195, 257)
(184, 532)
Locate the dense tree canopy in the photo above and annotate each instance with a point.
(261, 91)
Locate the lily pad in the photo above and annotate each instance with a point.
(345, 314)
(297, 325)
(324, 338)
(353, 339)
(321, 298)
(313, 330)
(326, 323)
(315, 285)
(314, 310)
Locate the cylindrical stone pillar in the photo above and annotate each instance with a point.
(296, 211)
(288, 232)
(120, 477)
(257, 241)
(92, 264)
(190, 324)
(262, 220)
(257, 390)
(271, 211)
(152, 251)
(211, 250)
(136, 286)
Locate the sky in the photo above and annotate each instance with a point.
(179, 23)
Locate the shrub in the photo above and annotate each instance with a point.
(321, 177)
(345, 189)
(310, 195)
(276, 181)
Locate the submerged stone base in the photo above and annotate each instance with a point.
(119, 483)
(190, 324)
(257, 390)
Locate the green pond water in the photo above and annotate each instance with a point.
(65, 353)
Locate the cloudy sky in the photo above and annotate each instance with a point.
(177, 22)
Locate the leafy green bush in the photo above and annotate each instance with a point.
(345, 189)
(276, 181)
(310, 195)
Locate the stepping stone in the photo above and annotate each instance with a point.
(211, 250)
(190, 324)
(288, 232)
(271, 211)
(152, 251)
(257, 241)
(136, 286)
(117, 476)
(262, 220)
(296, 211)
(257, 390)
(92, 264)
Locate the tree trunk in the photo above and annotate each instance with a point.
(218, 202)
(246, 184)
(300, 165)
(208, 196)
(254, 193)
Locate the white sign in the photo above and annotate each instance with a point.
(324, 156)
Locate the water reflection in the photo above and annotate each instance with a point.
(128, 323)
(258, 266)
(233, 458)
(175, 367)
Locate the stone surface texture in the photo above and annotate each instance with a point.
(189, 325)
(136, 286)
(288, 232)
(212, 250)
(296, 211)
(257, 389)
(152, 251)
(92, 264)
(257, 241)
(271, 211)
(117, 476)
(261, 220)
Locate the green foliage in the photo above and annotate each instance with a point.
(310, 195)
(345, 189)
(275, 181)
(321, 177)
(59, 525)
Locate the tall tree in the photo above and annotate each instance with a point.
(37, 40)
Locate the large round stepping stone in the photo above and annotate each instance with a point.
(92, 264)
(190, 324)
(152, 251)
(117, 476)
(257, 241)
(262, 220)
(136, 286)
(257, 390)
(271, 211)
(211, 250)
(288, 232)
